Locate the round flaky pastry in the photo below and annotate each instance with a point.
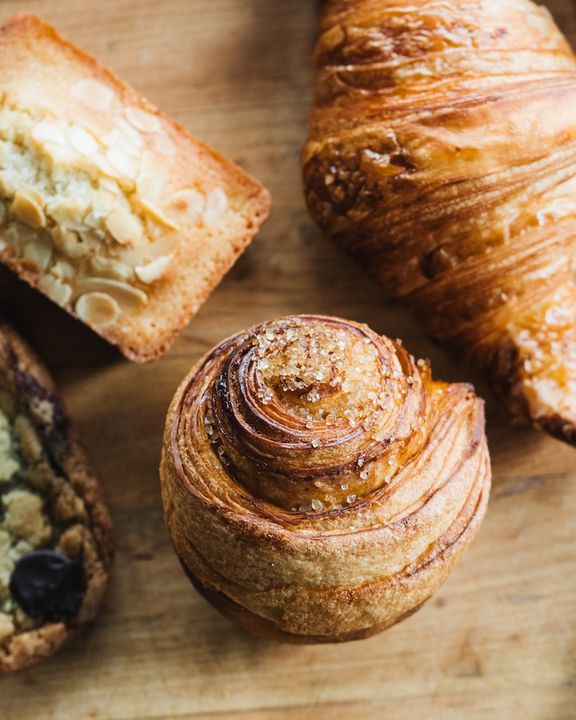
(318, 485)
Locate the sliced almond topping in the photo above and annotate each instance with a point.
(108, 267)
(125, 294)
(101, 208)
(92, 220)
(67, 211)
(97, 308)
(150, 164)
(68, 243)
(144, 121)
(92, 238)
(148, 186)
(93, 93)
(146, 252)
(116, 139)
(56, 290)
(153, 270)
(27, 207)
(82, 141)
(110, 186)
(129, 134)
(157, 215)
(63, 269)
(17, 235)
(39, 251)
(152, 178)
(124, 227)
(104, 166)
(6, 185)
(132, 152)
(122, 162)
(105, 197)
(47, 132)
(129, 131)
(216, 206)
(34, 195)
(185, 206)
(60, 154)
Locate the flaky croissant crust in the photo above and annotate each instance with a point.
(318, 485)
(442, 154)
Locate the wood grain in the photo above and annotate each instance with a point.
(499, 640)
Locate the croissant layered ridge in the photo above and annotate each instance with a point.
(442, 155)
(318, 485)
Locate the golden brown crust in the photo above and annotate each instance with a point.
(41, 71)
(267, 630)
(441, 155)
(318, 485)
(27, 380)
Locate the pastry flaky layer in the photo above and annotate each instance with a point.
(318, 485)
(442, 155)
(55, 538)
(107, 205)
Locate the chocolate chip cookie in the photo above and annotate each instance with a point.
(55, 547)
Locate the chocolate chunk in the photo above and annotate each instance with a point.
(48, 585)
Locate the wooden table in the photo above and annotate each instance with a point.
(498, 641)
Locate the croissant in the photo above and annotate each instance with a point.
(442, 155)
(318, 485)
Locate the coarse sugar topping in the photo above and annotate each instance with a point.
(319, 371)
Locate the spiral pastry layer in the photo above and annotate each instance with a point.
(318, 485)
(442, 155)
